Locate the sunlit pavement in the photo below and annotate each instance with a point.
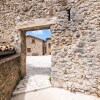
(53, 94)
(37, 74)
(36, 85)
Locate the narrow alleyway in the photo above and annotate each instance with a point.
(36, 84)
(37, 74)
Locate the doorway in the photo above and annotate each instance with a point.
(37, 48)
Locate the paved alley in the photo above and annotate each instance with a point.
(36, 85)
(37, 74)
(53, 94)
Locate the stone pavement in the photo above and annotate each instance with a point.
(53, 94)
(36, 85)
(37, 75)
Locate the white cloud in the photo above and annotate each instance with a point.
(39, 32)
(49, 30)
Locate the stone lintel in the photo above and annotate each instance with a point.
(37, 24)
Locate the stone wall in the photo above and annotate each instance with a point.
(75, 43)
(15, 13)
(9, 75)
(75, 55)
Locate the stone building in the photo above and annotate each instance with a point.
(34, 46)
(48, 46)
(75, 26)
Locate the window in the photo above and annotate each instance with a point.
(33, 40)
(49, 45)
(68, 11)
(28, 49)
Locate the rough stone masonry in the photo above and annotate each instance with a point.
(75, 38)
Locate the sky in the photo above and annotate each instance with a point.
(42, 34)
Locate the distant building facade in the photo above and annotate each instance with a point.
(36, 46)
(48, 46)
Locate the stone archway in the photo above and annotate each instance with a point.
(37, 24)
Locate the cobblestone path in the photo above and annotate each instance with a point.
(37, 74)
